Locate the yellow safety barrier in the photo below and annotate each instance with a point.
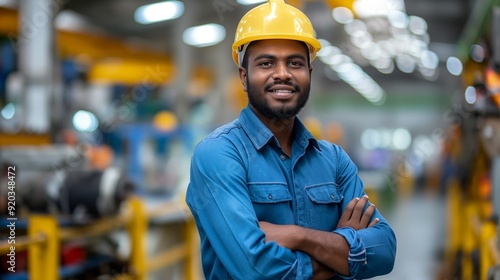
(455, 223)
(470, 234)
(488, 248)
(45, 236)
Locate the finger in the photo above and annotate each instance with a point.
(367, 215)
(359, 208)
(374, 222)
(349, 209)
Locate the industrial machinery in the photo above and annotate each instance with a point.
(473, 158)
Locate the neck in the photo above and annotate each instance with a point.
(282, 130)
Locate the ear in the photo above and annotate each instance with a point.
(310, 70)
(243, 78)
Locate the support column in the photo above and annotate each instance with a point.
(184, 61)
(36, 61)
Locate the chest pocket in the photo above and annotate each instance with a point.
(324, 205)
(272, 202)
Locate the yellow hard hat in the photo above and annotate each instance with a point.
(275, 20)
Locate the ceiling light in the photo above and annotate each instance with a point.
(361, 82)
(429, 59)
(356, 27)
(477, 53)
(342, 15)
(85, 121)
(350, 72)
(371, 139)
(405, 63)
(429, 74)
(70, 20)
(336, 59)
(9, 4)
(362, 40)
(417, 25)
(382, 62)
(204, 35)
(470, 95)
(8, 111)
(374, 8)
(387, 70)
(398, 19)
(401, 139)
(324, 43)
(328, 50)
(160, 11)
(454, 66)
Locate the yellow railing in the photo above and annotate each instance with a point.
(45, 236)
(468, 233)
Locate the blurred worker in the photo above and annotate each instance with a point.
(269, 200)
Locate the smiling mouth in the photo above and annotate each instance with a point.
(282, 93)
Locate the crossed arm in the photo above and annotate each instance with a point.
(328, 251)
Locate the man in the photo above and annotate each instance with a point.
(269, 200)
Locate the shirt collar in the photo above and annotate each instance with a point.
(260, 135)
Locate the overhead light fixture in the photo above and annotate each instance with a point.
(454, 66)
(470, 95)
(250, 2)
(374, 8)
(160, 11)
(382, 138)
(85, 121)
(401, 139)
(351, 73)
(8, 111)
(342, 15)
(11, 4)
(70, 20)
(204, 35)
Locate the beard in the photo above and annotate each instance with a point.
(284, 111)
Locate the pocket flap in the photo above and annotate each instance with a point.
(269, 193)
(327, 193)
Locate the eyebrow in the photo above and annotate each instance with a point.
(268, 56)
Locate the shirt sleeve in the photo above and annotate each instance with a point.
(372, 250)
(219, 199)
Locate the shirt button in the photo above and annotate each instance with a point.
(282, 157)
(270, 196)
(332, 196)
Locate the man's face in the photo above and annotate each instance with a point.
(277, 78)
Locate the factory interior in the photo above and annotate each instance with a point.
(103, 101)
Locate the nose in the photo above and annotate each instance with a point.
(282, 72)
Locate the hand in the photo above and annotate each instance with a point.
(354, 217)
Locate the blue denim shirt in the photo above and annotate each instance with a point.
(240, 176)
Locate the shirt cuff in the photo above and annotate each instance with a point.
(357, 251)
(303, 269)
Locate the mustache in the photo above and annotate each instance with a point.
(267, 87)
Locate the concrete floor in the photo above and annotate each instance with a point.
(419, 222)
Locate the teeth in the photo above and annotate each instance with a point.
(282, 91)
